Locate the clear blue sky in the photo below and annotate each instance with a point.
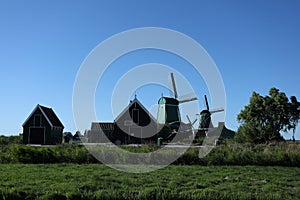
(255, 44)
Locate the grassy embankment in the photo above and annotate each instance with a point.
(96, 181)
(68, 172)
(280, 154)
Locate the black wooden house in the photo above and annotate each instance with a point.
(42, 127)
(134, 125)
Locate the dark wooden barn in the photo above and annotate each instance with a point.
(134, 125)
(42, 127)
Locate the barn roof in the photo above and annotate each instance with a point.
(102, 125)
(135, 100)
(49, 114)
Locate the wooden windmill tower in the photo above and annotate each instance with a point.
(168, 108)
(205, 116)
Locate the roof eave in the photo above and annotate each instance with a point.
(36, 107)
(34, 110)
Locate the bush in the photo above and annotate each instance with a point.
(8, 140)
(229, 153)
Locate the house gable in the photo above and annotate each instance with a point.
(135, 124)
(30, 121)
(42, 127)
(49, 115)
(135, 113)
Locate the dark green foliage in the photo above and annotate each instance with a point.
(199, 140)
(265, 117)
(228, 153)
(295, 114)
(94, 181)
(7, 140)
(54, 154)
(254, 134)
(281, 154)
(227, 134)
(67, 137)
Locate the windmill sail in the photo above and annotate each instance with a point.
(188, 100)
(174, 86)
(205, 116)
(206, 102)
(217, 110)
(190, 122)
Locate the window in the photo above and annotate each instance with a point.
(135, 116)
(37, 120)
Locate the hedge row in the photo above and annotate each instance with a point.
(280, 154)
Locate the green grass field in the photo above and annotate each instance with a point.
(96, 181)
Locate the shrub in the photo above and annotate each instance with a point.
(281, 154)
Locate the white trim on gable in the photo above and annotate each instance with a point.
(46, 116)
(34, 110)
(131, 103)
(36, 107)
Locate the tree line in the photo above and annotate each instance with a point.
(266, 117)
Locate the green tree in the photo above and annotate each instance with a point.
(266, 116)
(295, 114)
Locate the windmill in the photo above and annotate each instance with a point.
(205, 116)
(168, 107)
(191, 124)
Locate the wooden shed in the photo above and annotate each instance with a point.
(42, 127)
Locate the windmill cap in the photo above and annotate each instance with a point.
(168, 100)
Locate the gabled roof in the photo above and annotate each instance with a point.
(102, 125)
(135, 100)
(49, 114)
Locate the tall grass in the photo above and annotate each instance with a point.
(279, 154)
(94, 181)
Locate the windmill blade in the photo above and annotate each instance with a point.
(194, 121)
(206, 102)
(170, 87)
(188, 100)
(190, 122)
(188, 118)
(187, 97)
(174, 86)
(217, 110)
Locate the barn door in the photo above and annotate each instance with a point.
(37, 135)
